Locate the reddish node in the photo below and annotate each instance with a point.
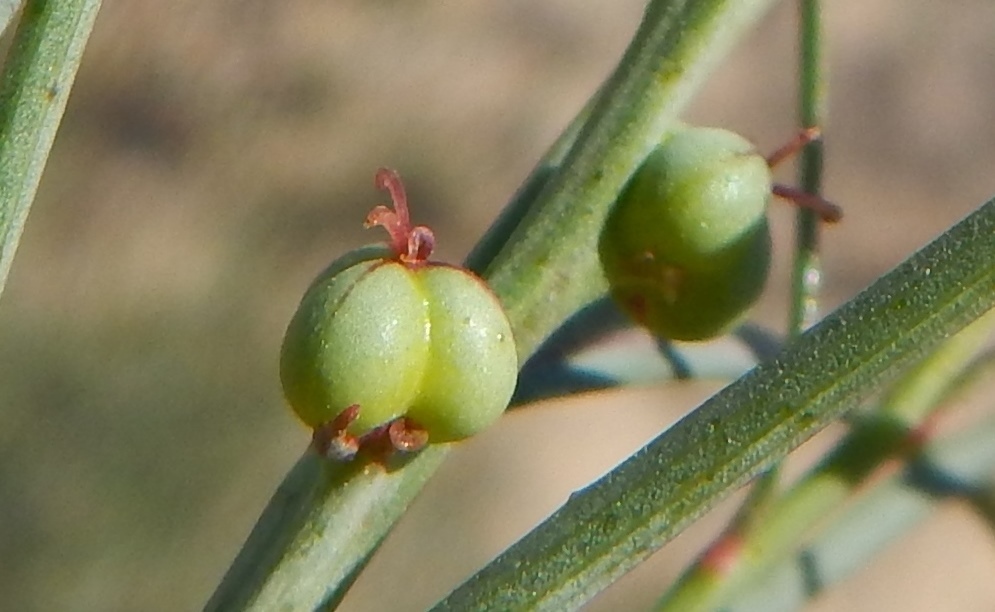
(721, 557)
(793, 146)
(402, 434)
(412, 244)
(406, 435)
(638, 307)
(921, 434)
(827, 211)
(332, 441)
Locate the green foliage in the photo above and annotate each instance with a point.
(399, 335)
(541, 260)
(619, 520)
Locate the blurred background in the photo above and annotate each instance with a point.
(216, 155)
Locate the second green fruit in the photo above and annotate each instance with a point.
(687, 248)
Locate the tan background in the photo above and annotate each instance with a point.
(215, 155)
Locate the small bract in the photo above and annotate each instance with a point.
(387, 344)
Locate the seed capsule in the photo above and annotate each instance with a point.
(387, 343)
(687, 249)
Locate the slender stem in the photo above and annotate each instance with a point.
(613, 524)
(34, 87)
(885, 434)
(554, 247)
(496, 237)
(807, 273)
(304, 552)
(957, 465)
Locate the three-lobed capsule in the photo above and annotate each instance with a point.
(386, 341)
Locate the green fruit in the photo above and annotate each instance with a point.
(401, 337)
(686, 249)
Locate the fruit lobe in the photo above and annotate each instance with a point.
(473, 363)
(359, 337)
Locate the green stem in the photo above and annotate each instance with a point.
(807, 272)
(34, 87)
(545, 272)
(318, 531)
(553, 251)
(484, 252)
(613, 524)
(877, 515)
(873, 439)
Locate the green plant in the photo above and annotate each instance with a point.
(386, 342)
(541, 261)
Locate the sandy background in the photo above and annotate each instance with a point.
(215, 156)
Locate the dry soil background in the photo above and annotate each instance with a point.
(215, 155)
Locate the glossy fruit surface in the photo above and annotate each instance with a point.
(686, 249)
(411, 342)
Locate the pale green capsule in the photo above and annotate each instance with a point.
(409, 341)
(686, 249)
